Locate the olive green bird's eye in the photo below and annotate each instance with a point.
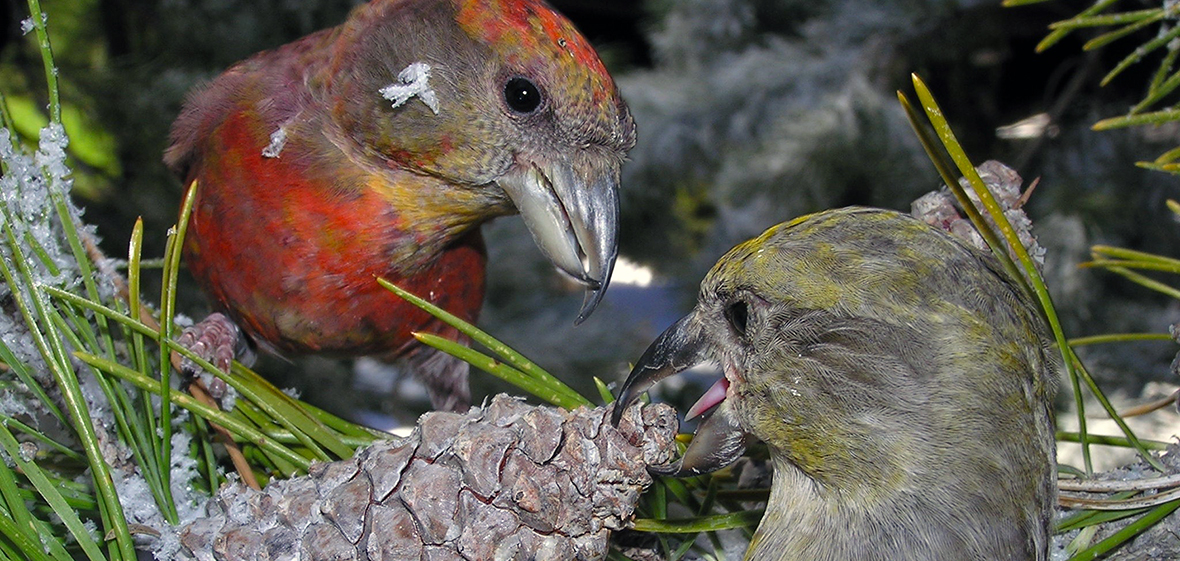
(522, 95)
(738, 315)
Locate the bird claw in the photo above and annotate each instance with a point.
(217, 340)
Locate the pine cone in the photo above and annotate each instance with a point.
(508, 481)
(939, 208)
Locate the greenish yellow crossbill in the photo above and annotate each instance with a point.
(901, 380)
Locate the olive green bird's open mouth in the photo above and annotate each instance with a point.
(572, 211)
(719, 440)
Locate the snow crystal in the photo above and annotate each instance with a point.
(27, 25)
(30, 187)
(414, 80)
(182, 320)
(224, 393)
(167, 545)
(51, 155)
(278, 139)
(6, 149)
(28, 451)
(12, 405)
(140, 505)
(91, 528)
(190, 503)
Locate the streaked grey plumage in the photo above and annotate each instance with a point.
(901, 380)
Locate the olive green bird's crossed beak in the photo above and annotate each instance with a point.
(719, 440)
(571, 208)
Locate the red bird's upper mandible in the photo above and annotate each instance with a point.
(377, 148)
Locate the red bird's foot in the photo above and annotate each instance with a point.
(216, 339)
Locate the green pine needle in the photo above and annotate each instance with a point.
(697, 524)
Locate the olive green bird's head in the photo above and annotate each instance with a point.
(900, 379)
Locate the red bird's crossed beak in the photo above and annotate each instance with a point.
(719, 440)
(572, 210)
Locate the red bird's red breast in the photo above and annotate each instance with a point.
(294, 261)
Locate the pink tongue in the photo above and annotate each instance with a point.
(715, 395)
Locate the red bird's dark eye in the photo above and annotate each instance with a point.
(522, 95)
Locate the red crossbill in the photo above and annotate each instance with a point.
(376, 149)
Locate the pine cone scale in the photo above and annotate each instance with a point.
(506, 482)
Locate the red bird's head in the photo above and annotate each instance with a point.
(505, 102)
